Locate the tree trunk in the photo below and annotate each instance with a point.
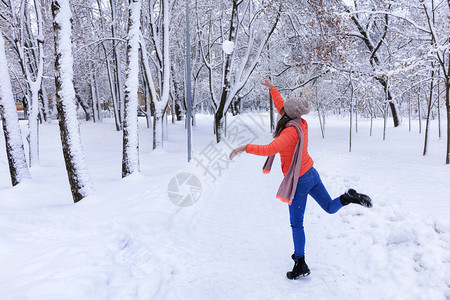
(420, 115)
(320, 121)
(130, 159)
(115, 104)
(371, 124)
(85, 106)
(160, 104)
(392, 106)
(33, 124)
(157, 129)
(271, 114)
(99, 102)
(271, 110)
(447, 104)
(79, 179)
(117, 60)
(220, 113)
(110, 72)
(430, 104)
(218, 126)
(351, 116)
(439, 105)
(15, 152)
(409, 112)
(385, 115)
(94, 99)
(45, 109)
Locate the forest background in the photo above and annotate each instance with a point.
(88, 59)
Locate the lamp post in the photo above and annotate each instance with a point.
(188, 84)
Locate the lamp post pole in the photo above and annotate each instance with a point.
(188, 84)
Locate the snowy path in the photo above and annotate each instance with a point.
(242, 239)
(130, 242)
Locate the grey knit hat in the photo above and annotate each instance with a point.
(296, 107)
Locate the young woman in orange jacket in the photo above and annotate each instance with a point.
(301, 179)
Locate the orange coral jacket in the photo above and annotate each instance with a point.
(285, 143)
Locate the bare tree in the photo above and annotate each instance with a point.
(29, 47)
(373, 45)
(18, 168)
(159, 31)
(237, 65)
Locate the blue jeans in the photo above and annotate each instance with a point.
(309, 183)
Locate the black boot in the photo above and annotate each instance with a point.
(300, 268)
(351, 196)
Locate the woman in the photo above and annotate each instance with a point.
(300, 177)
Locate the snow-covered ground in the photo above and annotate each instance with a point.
(129, 241)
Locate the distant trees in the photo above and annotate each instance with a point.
(417, 48)
(357, 58)
(439, 54)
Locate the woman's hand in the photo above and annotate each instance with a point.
(237, 151)
(266, 82)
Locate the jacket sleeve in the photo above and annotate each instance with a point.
(277, 99)
(288, 137)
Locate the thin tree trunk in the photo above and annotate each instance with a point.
(371, 118)
(447, 104)
(146, 102)
(409, 112)
(94, 99)
(320, 121)
(173, 110)
(430, 104)
(439, 104)
(99, 102)
(351, 116)
(271, 110)
(117, 118)
(166, 124)
(371, 124)
(45, 110)
(33, 125)
(117, 60)
(385, 113)
(420, 115)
